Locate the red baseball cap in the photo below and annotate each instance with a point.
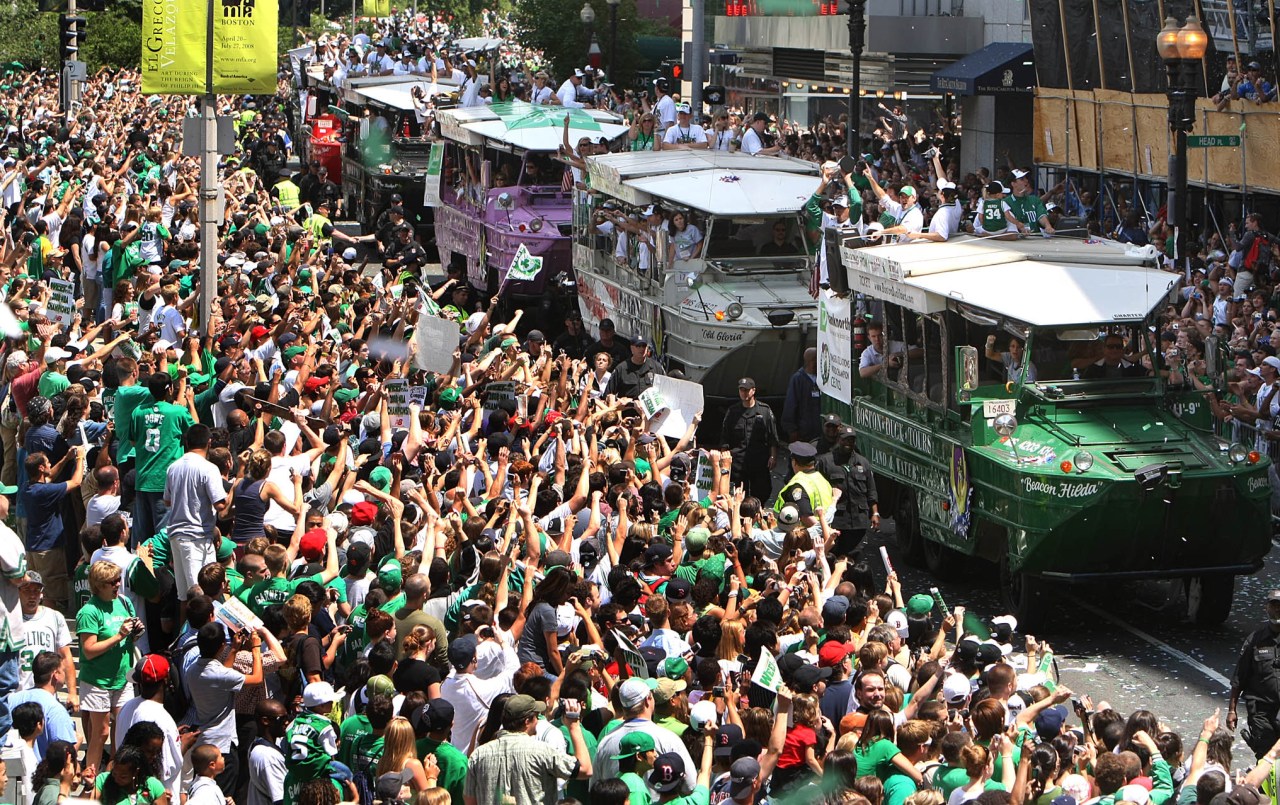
(831, 653)
(364, 513)
(154, 668)
(312, 544)
(315, 383)
(259, 331)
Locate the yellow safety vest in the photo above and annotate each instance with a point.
(315, 225)
(290, 196)
(815, 486)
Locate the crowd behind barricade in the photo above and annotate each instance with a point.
(267, 557)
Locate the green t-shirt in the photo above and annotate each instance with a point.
(358, 747)
(1028, 209)
(453, 765)
(638, 788)
(158, 429)
(876, 759)
(127, 400)
(102, 619)
(261, 595)
(52, 384)
(80, 586)
(897, 788)
(701, 795)
(578, 789)
(295, 777)
(235, 580)
(949, 778)
(160, 554)
(150, 790)
(674, 724)
(712, 566)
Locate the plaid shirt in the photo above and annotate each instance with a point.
(516, 767)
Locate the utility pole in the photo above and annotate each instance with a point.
(697, 65)
(70, 32)
(209, 183)
(857, 38)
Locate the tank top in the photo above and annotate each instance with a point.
(991, 215)
(250, 508)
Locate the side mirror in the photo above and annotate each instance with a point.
(1213, 355)
(966, 373)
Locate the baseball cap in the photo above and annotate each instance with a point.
(381, 478)
(742, 775)
(955, 689)
(226, 550)
(832, 653)
(668, 689)
(668, 773)
(683, 108)
(1272, 361)
(153, 668)
(746, 383)
(462, 651)
(702, 714)
(633, 692)
(32, 577)
(678, 589)
(1018, 173)
(1049, 722)
(364, 513)
(898, 621)
(318, 694)
(311, 546)
(673, 667)
(835, 607)
(656, 553)
(634, 743)
(522, 706)
(390, 575)
(727, 737)
(920, 604)
(807, 676)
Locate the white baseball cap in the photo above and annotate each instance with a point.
(318, 694)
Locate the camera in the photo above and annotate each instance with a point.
(931, 152)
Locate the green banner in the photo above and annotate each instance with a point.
(174, 44)
(435, 164)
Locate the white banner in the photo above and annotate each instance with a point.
(767, 675)
(435, 163)
(835, 348)
(671, 405)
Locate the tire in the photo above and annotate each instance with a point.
(943, 563)
(1024, 596)
(906, 519)
(1209, 599)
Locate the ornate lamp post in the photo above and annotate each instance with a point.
(1181, 49)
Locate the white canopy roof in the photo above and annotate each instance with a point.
(479, 43)
(398, 96)
(722, 192)
(542, 138)
(1044, 283)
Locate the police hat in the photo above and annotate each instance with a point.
(803, 452)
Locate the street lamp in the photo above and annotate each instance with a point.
(613, 35)
(857, 36)
(1181, 49)
(588, 17)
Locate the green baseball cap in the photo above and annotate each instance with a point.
(697, 538)
(634, 743)
(390, 575)
(450, 395)
(293, 352)
(226, 549)
(674, 667)
(346, 395)
(920, 604)
(381, 684)
(381, 478)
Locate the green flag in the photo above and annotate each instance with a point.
(524, 266)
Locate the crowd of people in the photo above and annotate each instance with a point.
(251, 570)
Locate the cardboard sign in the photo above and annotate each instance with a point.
(767, 674)
(62, 304)
(495, 394)
(632, 656)
(398, 402)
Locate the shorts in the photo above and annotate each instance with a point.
(94, 699)
(189, 556)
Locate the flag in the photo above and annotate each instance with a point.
(566, 182)
(767, 674)
(524, 266)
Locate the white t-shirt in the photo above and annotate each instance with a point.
(139, 709)
(677, 134)
(946, 221)
(266, 775)
(277, 517)
(46, 631)
(665, 111)
(751, 142)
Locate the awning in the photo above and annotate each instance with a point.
(997, 69)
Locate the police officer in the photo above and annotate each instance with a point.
(1257, 679)
(830, 434)
(750, 431)
(859, 505)
(807, 490)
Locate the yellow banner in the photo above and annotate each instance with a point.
(244, 46)
(377, 8)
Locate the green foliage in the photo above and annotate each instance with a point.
(555, 28)
(27, 35)
(113, 39)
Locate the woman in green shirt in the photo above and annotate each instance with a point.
(56, 774)
(131, 781)
(108, 627)
(877, 754)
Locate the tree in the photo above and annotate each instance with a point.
(113, 39)
(554, 27)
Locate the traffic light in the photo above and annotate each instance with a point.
(677, 72)
(70, 36)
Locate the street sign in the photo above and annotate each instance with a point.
(1213, 141)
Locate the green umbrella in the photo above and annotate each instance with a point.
(520, 115)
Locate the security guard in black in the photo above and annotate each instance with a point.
(750, 431)
(1257, 681)
(858, 508)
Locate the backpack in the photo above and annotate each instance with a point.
(1259, 252)
(176, 701)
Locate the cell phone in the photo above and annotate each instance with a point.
(718, 690)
